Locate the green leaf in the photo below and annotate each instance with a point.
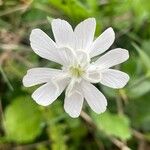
(74, 9)
(139, 89)
(22, 120)
(114, 125)
(145, 45)
(57, 137)
(144, 57)
(33, 15)
(139, 110)
(147, 136)
(6, 78)
(93, 4)
(109, 92)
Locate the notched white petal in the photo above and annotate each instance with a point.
(73, 104)
(102, 43)
(114, 78)
(84, 34)
(63, 33)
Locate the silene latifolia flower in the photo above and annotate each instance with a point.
(74, 49)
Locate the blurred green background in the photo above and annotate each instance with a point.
(24, 125)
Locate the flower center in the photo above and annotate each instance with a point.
(76, 71)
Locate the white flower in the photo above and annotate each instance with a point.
(73, 49)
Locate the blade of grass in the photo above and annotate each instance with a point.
(144, 57)
(6, 79)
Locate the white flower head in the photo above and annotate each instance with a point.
(73, 49)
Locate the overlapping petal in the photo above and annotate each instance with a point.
(43, 45)
(66, 56)
(102, 43)
(114, 78)
(94, 97)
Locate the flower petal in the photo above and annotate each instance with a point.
(36, 76)
(112, 58)
(73, 104)
(114, 78)
(63, 33)
(84, 34)
(49, 92)
(102, 43)
(44, 46)
(94, 97)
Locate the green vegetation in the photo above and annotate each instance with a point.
(24, 125)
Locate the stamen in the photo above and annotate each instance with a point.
(76, 71)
